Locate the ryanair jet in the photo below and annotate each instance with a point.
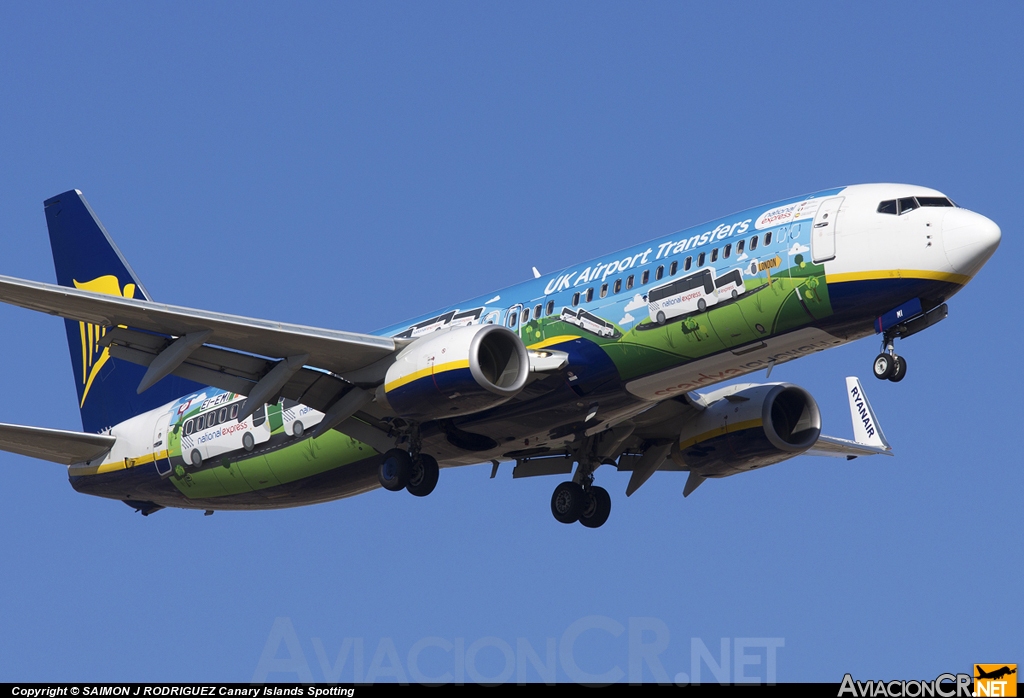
(601, 363)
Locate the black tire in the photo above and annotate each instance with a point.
(735, 294)
(599, 507)
(661, 318)
(394, 469)
(248, 442)
(196, 458)
(422, 476)
(567, 502)
(297, 428)
(883, 366)
(899, 371)
(702, 305)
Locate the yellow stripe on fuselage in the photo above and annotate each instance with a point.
(424, 372)
(922, 274)
(77, 470)
(721, 431)
(552, 341)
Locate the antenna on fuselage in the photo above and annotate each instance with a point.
(536, 274)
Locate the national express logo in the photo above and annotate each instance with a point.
(94, 356)
(988, 680)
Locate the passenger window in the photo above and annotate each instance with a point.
(604, 290)
(739, 247)
(726, 251)
(907, 204)
(536, 313)
(575, 299)
(888, 207)
(658, 273)
(190, 426)
(200, 422)
(629, 282)
(526, 314)
(223, 415)
(590, 294)
(687, 264)
(714, 255)
(645, 277)
(753, 243)
(618, 286)
(700, 259)
(673, 268)
(234, 411)
(551, 307)
(513, 319)
(768, 238)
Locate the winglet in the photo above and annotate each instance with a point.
(866, 429)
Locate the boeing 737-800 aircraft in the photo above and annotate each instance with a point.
(596, 364)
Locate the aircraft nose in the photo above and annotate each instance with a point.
(969, 239)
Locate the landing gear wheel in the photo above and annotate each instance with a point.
(660, 318)
(567, 502)
(393, 472)
(422, 475)
(702, 305)
(899, 371)
(884, 365)
(598, 507)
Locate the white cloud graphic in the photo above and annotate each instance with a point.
(797, 248)
(626, 318)
(635, 304)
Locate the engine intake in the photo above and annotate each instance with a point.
(455, 372)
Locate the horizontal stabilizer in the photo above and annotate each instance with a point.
(56, 445)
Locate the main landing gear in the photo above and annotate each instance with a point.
(889, 366)
(586, 503)
(399, 470)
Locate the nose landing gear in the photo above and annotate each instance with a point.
(889, 366)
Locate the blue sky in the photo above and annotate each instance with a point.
(350, 165)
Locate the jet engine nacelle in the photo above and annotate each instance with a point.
(748, 426)
(453, 372)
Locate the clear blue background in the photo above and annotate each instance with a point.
(348, 165)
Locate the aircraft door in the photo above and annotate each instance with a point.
(823, 233)
(161, 437)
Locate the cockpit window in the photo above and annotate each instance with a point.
(901, 206)
(907, 204)
(934, 201)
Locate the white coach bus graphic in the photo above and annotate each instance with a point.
(216, 431)
(693, 293)
(588, 321)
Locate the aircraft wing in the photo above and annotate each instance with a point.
(331, 350)
(56, 445)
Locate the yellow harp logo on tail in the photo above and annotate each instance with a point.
(93, 355)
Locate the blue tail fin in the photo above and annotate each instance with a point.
(85, 257)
